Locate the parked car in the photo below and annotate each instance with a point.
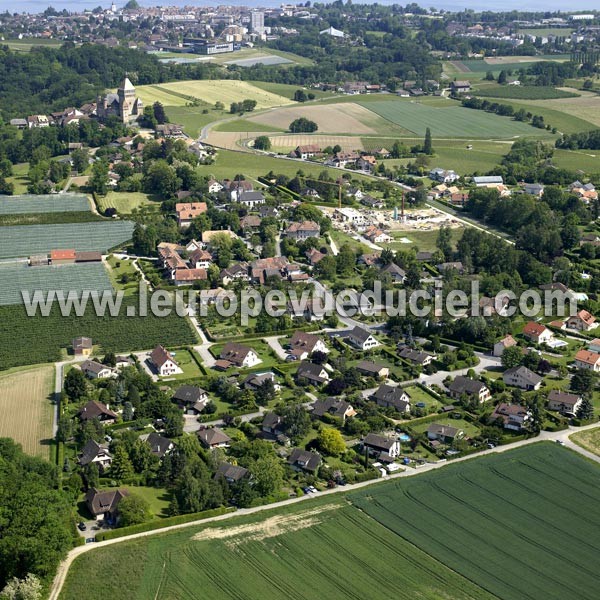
(81, 526)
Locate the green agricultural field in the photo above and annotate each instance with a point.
(254, 165)
(26, 44)
(18, 277)
(286, 90)
(20, 241)
(555, 112)
(589, 440)
(125, 202)
(450, 121)
(245, 125)
(585, 160)
(523, 92)
(42, 339)
(60, 203)
(209, 91)
(258, 557)
(522, 524)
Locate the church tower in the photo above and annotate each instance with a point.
(126, 93)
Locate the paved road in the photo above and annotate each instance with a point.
(63, 568)
(276, 346)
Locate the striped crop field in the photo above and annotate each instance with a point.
(521, 525)
(18, 277)
(518, 525)
(51, 203)
(21, 241)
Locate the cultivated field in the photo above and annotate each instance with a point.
(451, 121)
(42, 339)
(52, 203)
(209, 91)
(230, 139)
(586, 107)
(26, 410)
(20, 241)
(512, 526)
(18, 277)
(350, 118)
(340, 552)
(520, 525)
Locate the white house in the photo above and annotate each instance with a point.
(584, 359)
(164, 363)
(96, 370)
(362, 339)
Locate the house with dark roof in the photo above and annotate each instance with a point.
(213, 437)
(303, 460)
(469, 387)
(512, 416)
(239, 355)
(385, 448)
(312, 373)
(417, 357)
(191, 398)
(334, 407)
(272, 424)
(256, 380)
(163, 362)
(104, 504)
(97, 410)
(564, 403)
(95, 453)
(373, 369)
(389, 396)
(303, 344)
(232, 473)
(523, 378)
(397, 274)
(362, 339)
(159, 446)
(96, 370)
(251, 199)
(445, 434)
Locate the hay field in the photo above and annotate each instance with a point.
(349, 118)
(210, 91)
(281, 143)
(586, 107)
(26, 412)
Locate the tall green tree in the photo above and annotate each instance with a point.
(428, 143)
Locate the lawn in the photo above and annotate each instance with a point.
(121, 269)
(418, 395)
(125, 202)
(194, 118)
(588, 440)
(258, 557)
(522, 524)
(19, 178)
(187, 364)
(470, 429)
(26, 413)
(158, 499)
(22, 241)
(450, 120)
(245, 125)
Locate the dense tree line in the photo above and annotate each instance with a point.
(36, 525)
(586, 140)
